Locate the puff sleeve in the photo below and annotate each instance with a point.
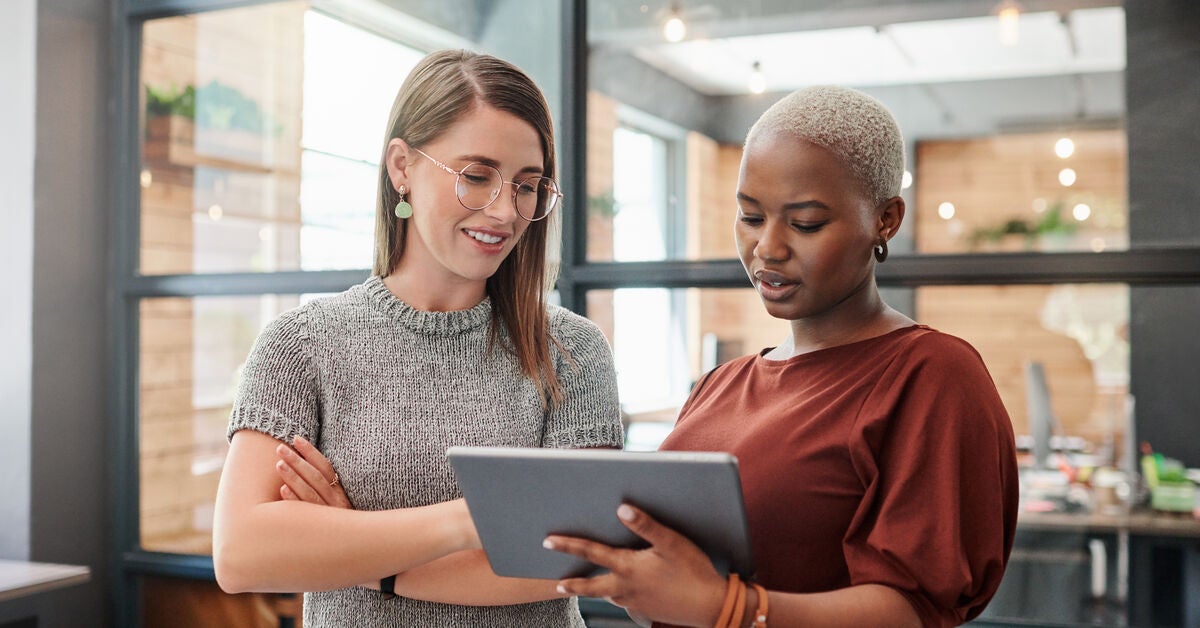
(934, 448)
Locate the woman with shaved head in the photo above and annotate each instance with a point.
(877, 461)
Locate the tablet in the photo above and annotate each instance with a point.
(518, 497)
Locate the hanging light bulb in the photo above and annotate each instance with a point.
(674, 29)
(1009, 14)
(758, 80)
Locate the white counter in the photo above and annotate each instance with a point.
(20, 578)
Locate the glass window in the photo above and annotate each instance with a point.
(1013, 125)
(1049, 191)
(262, 128)
(634, 215)
(262, 140)
(640, 202)
(191, 354)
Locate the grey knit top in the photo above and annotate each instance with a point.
(383, 389)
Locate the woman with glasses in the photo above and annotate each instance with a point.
(449, 342)
(877, 460)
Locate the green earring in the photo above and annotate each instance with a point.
(403, 209)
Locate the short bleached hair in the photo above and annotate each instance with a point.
(855, 127)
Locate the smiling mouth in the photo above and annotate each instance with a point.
(486, 238)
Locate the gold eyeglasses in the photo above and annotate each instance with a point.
(478, 186)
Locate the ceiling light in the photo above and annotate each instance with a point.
(1008, 12)
(1066, 176)
(215, 212)
(906, 180)
(758, 80)
(674, 29)
(1081, 212)
(1064, 147)
(946, 210)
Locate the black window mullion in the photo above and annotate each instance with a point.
(214, 284)
(1137, 267)
(574, 152)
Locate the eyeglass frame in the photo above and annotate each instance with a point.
(516, 186)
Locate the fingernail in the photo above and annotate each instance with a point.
(548, 544)
(279, 464)
(299, 439)
(561, 589)
(625, 512)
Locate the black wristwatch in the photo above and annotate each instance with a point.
(387, 587)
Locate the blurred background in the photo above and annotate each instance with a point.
(182, 171)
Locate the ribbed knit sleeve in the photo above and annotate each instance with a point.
(277, 394)
(590, 413)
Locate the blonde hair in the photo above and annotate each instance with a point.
(440, 90)
(848, 123)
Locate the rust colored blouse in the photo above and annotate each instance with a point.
(888, 461)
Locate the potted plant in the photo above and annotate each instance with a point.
(1024, 234)
(215, 121)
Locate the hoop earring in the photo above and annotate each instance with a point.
(881, 251)
(403, 209)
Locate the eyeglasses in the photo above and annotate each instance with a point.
(478, 186)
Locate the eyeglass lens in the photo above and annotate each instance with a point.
(479, 185)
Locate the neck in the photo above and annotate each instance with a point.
(418, 291)
(866, 316)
